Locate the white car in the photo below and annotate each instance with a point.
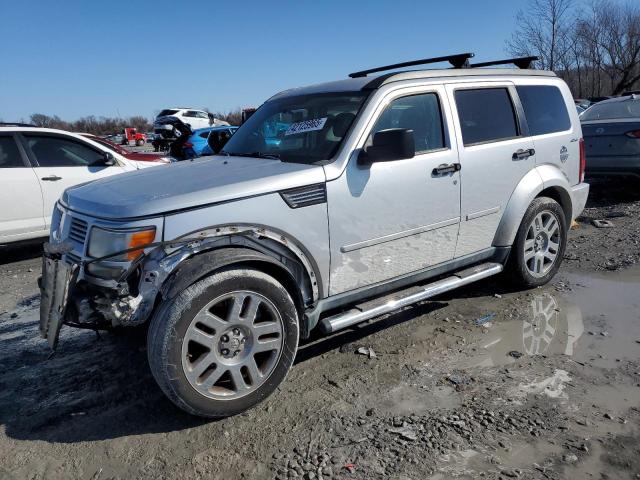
(192, 117)
(37, 165)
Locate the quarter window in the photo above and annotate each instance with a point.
(544, 109)
(420, 113)
(60, 152)
(486, 115)
(9, 154)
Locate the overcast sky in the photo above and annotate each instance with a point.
(122, 58)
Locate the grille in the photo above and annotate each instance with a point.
(305, 196)
(78, 230)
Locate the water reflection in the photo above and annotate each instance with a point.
(550, 326)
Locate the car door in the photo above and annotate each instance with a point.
(387, 219)
(61, 162)
(21, 210)
(495, 153)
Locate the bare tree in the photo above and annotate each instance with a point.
(542, 30)
(597, 51)
(621, 43)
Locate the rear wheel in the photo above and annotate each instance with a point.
(540, 243)
(139, 143)
(225, 343)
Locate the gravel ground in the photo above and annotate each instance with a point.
(484, 382)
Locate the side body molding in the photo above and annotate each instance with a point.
(541, 178)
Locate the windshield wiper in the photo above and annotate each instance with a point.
(273, 156)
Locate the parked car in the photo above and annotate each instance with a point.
(37, 165)
(192, 117)
(135, 156)
(381, 192)
(612, 136)
(582, 102)
(209, 141)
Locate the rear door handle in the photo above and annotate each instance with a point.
(522, 154)
(51, 178)
(446, 168)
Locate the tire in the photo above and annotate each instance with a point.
(204, 314)
(530, 263)
(139, 143)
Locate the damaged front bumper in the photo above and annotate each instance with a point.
(56, 286)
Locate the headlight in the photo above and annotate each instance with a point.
(105, 242)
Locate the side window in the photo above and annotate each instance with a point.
(202, 115)
(60, 152)
(420, 113)
(204, 135)
(486, 115)
(190, 114)
(544, 108)
(9, 155)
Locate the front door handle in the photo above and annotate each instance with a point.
(51, 178)
(522, 154)
(446, 168)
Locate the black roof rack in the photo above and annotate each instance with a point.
(460, 60)
(15, 124)
(521, 62)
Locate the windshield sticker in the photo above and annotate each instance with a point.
(306, 126)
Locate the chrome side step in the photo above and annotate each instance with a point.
(458, 279)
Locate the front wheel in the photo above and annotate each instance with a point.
(540, 243)
(225, 343)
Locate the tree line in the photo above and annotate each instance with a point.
(594, 47)
(108, 125)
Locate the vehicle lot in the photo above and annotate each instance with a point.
(549, 387)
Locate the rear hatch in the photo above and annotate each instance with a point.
(606, 138)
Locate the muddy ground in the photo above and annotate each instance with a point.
(485, 382)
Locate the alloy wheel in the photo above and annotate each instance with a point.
(542, 243)
(232, 345)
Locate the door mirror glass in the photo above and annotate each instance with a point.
(109, 159)
(388, 145)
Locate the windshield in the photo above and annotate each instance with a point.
(302, 129)
(629, 108)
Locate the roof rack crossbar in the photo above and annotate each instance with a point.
(460, 60)
(520, 62)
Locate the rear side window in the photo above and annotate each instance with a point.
(59, 152)
(9, 154)
(486, 115)
(544, 109)
(167, 112)
(420, 113)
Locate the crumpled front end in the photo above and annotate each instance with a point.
(81, 291)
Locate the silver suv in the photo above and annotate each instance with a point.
(333, 204)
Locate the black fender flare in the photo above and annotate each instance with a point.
(203, 264)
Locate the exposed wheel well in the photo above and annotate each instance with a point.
(562, 197)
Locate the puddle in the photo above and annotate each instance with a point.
(598, 322)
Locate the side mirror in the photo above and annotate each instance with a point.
(388, 145)
(109, 159)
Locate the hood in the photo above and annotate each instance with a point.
(188, 184)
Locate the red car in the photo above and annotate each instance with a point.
(139, 157)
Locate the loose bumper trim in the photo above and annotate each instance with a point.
(56, 286)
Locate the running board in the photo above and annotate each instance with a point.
(398, 300)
